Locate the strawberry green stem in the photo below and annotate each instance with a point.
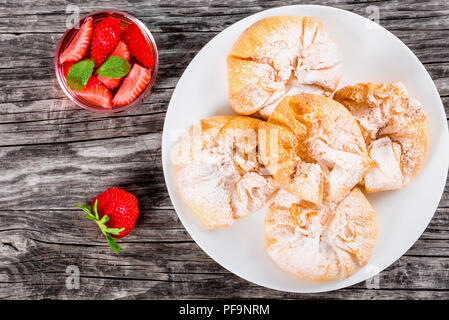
(92, 214)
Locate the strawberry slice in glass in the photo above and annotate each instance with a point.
(134, 83)
(95, 93)
(138, 45)
(104, 39)
(78, 46)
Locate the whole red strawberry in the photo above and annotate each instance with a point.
(115, 211)
(105, 38)
(138, 45)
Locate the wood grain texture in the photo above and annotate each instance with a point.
(54, 155)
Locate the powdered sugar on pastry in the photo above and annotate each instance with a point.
(315, 148)
(325, 243)
(298, 56)
(209, 193)
(252, 192)
(218, 173)
(395, 129)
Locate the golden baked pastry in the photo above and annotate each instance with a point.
(279, 56)
(313, 147)
(217, 170)
(395, 129)
(324, 243)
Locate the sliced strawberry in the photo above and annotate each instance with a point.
(105, 38)
(78, 47)
(108, 82)
(66, 66)
(134, 83)
(95, 93)
(138, 45)
(120, 51)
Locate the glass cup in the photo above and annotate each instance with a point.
(125, 19)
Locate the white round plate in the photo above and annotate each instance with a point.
(371, 53)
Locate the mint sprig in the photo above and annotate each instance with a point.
(79, 74)
(114, 68)
(92, 214)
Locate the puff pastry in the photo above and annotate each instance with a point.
(313, 147)
(395, 129)
(217, 170)
(325, 243)
(279, 56)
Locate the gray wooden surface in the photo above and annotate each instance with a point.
(54, 155)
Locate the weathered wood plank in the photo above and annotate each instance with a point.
(51, 176)
(178, 8)
(66, 129)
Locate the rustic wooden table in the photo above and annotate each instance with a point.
(54, 155)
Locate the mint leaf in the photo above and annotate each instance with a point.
(79, 73)
(114, 68)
